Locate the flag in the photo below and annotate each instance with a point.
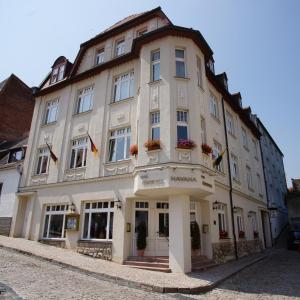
(218, 160)
(93, 146)
(53, 156)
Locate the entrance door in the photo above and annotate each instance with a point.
(162, 229)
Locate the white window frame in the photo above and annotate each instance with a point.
(154, 122)
(78, 144)
(180, 59)
(182, 120)
(245, 138)
(120, 47)
(58, 73)
(217, 150)
(90, 210)
(141, 31)
(249, 178)
(51, 212)
(203, 130)
(154, 63)
(51, 112)
(127, 78)
(213, 105)
(120, 134)
(230, 123)
(43, 153)
(234, 167)
(84, 101)
(222, 210)
(199, 72)
(100, 56)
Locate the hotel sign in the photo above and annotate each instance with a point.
(184, 178)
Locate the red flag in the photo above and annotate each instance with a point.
(93, 146)
(53, 156)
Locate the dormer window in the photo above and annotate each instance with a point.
(15, 155)
(58, 73)
(120, 47)
(100, 56)
(211, 66)
(142, 31)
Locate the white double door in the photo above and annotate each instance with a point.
(156, 216)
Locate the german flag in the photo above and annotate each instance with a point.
(218, 160)
(93, 146)
(53, 156)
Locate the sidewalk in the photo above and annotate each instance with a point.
(148, 280)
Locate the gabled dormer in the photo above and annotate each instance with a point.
(60, 70)
(223, 79)
(211, 64)
(238, 99)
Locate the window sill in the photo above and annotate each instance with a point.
(82, 113)
(224, 238)
(91, 241)
(153, 150)
(184, 149)
(154, 82)
(121, 101)
(112, 163)
(182, 78)
(48, 124)
(40, 175)
(75, 169)
(53, 239)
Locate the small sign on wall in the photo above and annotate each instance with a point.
(205, 228)
(128, 227)
(72, 222)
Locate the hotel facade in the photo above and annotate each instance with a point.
(143, 80)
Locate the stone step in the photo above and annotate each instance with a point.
(157, 259)
(146, 264)
(165, 270)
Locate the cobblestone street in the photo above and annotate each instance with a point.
(277, 277)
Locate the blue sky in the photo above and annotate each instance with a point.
(256, 42)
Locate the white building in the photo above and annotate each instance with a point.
(275, 180)
(143, 79)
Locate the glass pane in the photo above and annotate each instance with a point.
(39, 165)
(120, 148)
(163, 224)
(155, 133)
(141, 216)
(182, 133)
(72, 158)
(124, 90)
(193, 216)
(112, 150)
(111, 222)
(156, 71)
(46, 226)
(86, 225)
(156, 55)
(56, 226)
(47, 116)
(98, 225)
(180, 69)
(179, 53)
(79, 158)
(44, 164)
(86, 102)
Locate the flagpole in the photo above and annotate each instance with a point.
(230, 183)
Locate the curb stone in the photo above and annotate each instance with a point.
(134, 284)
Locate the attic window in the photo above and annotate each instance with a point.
(15, 155)
(142, 31)
(57, 73)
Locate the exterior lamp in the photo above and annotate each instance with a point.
(216, 205)
(235, 209)
(72, 208)
(273, 212)
(119, 204)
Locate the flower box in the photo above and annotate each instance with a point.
(223, 234)
(152, 145)
(255, 234)
(186, 144)
(241, 234)
(206, 149)
(134, 150)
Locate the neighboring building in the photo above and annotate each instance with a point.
(275, 180)
(293, 205)
(16, 108)
(143, 79)
(11, 163)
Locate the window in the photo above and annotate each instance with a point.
(142, 31)
(57, 74)
(51, 111)
(234, 167)
(141, 214)
(119, 144)
(43, 161)
(222, 223)
(182, 125)
(124, 87)
(222, 220)
(85, 100)
(163, 219)
(155, 65)
(230, 123)
(192, 211)
(199, 72)
(98, 220)
(249, 177)
(180, 63)
(15, 155)
(54, 225)
(259, 184)
(240, 222)
(217, 149)
(1, 185)
(253, 220)
(120, 48)
(203, 131)
(155, 129)
(100, 56)
(255, 146)
(245, 138)
(78, 154)
(213, 104)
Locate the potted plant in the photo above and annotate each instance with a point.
(255, 234)
(206, 149)
(152, 145)
(241, 234)
(195, 234)
(223, 234)
(134, 150)
(186, 144)
(141, 241)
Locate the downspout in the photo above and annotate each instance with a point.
(266, 188)
(230, 184)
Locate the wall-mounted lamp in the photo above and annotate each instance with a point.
(72, 208)
(235, 209)
(216, 205)
(119, 204)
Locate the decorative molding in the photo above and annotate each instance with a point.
(74, 174)
(184, 155)
(154, 96)
(153, 157)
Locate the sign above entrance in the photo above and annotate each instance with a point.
(184, 178)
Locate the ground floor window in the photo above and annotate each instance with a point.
(222, 222)
(54, 225)
(163, 219)
(98, 220)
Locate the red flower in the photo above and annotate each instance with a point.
(134, 150)
(152, 145)
(206, 149)
(186, 144)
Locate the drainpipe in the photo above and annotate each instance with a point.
(230, 184)
(266, 188)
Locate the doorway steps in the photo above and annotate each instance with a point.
(201, 263)
(152, 263)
